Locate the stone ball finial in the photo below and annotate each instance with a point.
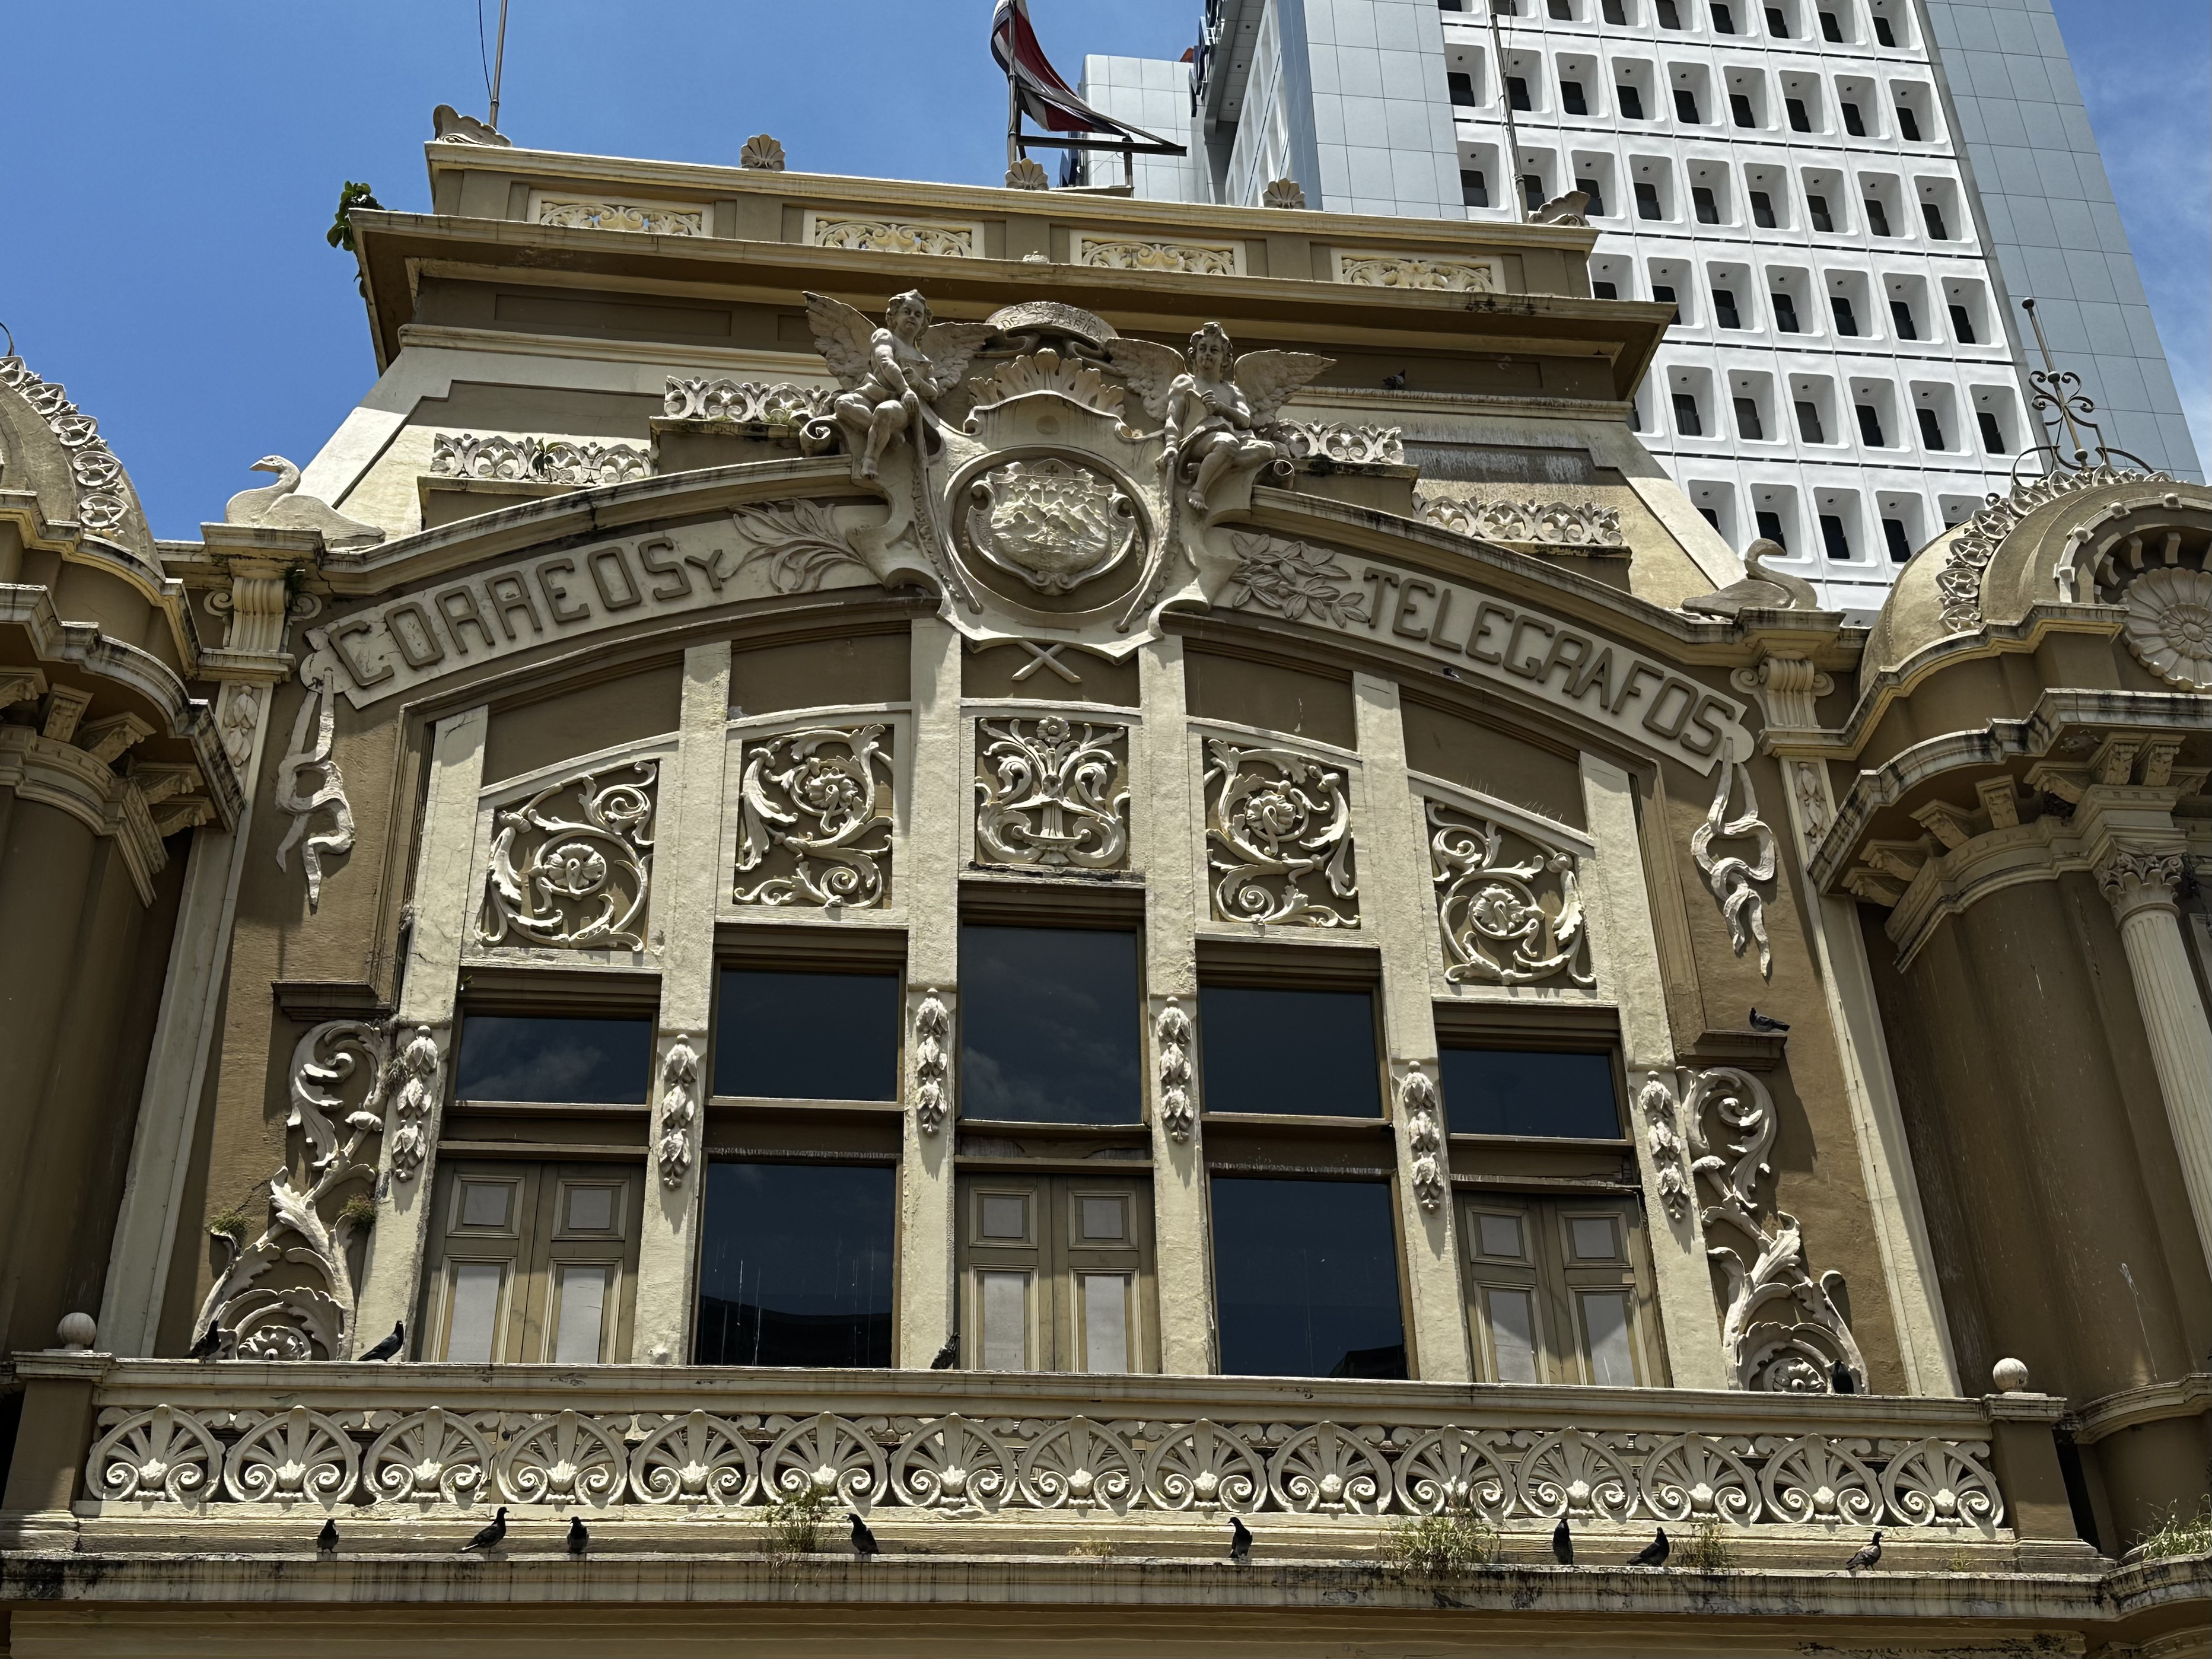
(77, 1332)
(2010, 1375)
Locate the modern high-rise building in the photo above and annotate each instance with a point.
(1846, 199)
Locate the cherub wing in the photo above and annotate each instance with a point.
(1150, 369)
(842, 336)
(949, 346)
(1268, 377)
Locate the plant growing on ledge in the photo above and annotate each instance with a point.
(360, 1209)
(230, 1224)
(340, 234)
(2178, 1535)
(1708, 1549)
(795, 1523)
(1448, 1545)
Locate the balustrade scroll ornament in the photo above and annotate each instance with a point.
(314, 733)
(537, 461)
(1171, 1035)
(1543, 523)
(821, 798)
(1278, 824)
(1795, 1357)
(900, 236)
(1656, 1105)
(652, 218)
(574, 882)
(1184, 259)
(751, 402)
(678, 1463)
(932, 1062)
(1504, 921)
(254, 1321)
(679, 1109)
(419, 1066)
(1408, 270)
(1343, 446)
(1048, 797)
(1421, 1110)
(1731, 877)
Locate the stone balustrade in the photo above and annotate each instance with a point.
(173, 1436)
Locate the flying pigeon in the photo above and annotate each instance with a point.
(326, 1540)
(1867, 1554)
(1653, 1554)
(1767, 1022)
(864, 1541)
(391, 1344)
(209, 1345)
(947, 1356)
(1563, 1544)
(1840, 1379)
(580, 1536)
(489, 1538)
(1240, 1541)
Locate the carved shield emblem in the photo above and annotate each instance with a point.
(1052, 523)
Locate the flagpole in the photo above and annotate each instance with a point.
(1013, 116)
(498, 63)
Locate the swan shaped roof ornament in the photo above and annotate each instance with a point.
(280, 507)
(1760, 590)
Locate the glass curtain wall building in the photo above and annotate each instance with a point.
(1845, 200)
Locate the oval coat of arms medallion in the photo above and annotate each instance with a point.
(1052, 523)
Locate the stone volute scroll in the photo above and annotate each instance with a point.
(574, 876)
(1733, 879)
(1797, 1353)
(1278, 837)
(314, 733)
(1505, 920)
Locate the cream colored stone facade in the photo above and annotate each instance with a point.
(684, 605)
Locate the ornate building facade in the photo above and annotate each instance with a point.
(880, 849)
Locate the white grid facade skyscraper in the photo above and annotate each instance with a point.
(1846, 199)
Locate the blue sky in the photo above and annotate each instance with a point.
(168, 186)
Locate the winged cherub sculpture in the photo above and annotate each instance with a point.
(892, 375)
(1214, 405)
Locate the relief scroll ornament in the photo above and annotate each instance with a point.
(572, 882)
(314, 733)
(1730, 878)
(1052, 801)
(1504, 921)
(821, 796)
(1278, 837)
(252, 1321)
(1797, 1353)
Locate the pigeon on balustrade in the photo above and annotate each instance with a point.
(391, 1345)
(947, 1356)
(864, 1541)
(1867, 1554)
(1653, 1554)
(1394, 382)
(492, 1537)
(326, 1540)
(1240, 1541)
(1563, 1544)
(1840, 1379)
(579, 1536)
(209, 1345)
(1767, 1022)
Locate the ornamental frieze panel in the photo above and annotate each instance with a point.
(571, 865)
(814, 819)
(1279, 842)
(1052, 794)
(1509, 902)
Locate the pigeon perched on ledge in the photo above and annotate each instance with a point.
(1767, 1022)
(1240, 1541)
(1867, 1554)
(1840, 1379)
(1653, 1554)
(491, 1536)
(864, 1541)
(391, 1345)
(326, 1540)
(947, 1356)
(209, 1345)
(1563, 1544)
(579, 1536)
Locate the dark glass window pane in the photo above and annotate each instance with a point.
(1762, 209)
(807, 1036)
(1931, 429)
(1572, 99)
(1892, 532)
(1799, 121)
(1707, 209)
(1288, 1051)
(1833, 537)
(1604, 290)
(1777, 24)
(1883, 34)
(1847, 322)
(1506, 1091)
(1833, 30)
(1307, 1276)
(1516, 92)
(1962, 325)
(1901, 315)
(1853, 123)
(1739, 110)
(554, 1058)
(1870, 425)
(1685, 416)
(1724, 19)
(1769, 525)
(1908, 125)
(795, 1265)
(1932, 216)
(1461, 85)
(1992, 435)
(1685, 105)
(1048, 1025)
(1647, 200)
(1631, 101)
(1809, 423)
(1877, 218)
(1785, 313)
(1473, 188)
(1747, 425)
(1597, 203)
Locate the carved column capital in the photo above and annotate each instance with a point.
(1786, 686)
(2136, 879)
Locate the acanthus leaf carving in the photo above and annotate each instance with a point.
(1172, 1034)
(1498, 928)
(821, 796)
(1278, 837)
(1765, 1353)
(313, 735)
(1053, 793)
(652, 218)
(1656, 1105)
(1421, 1109)
(574, 882)
(1730, 878)
(679, 1109)
(420, 1064)
(932, 1062)
(801, 543)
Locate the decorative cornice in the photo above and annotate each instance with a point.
(2107, 1414)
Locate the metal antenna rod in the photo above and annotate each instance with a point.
(1512, 180)
(2051, 378)
(498, 65)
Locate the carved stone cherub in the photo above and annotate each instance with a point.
(1213, 404)
(892, 375)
